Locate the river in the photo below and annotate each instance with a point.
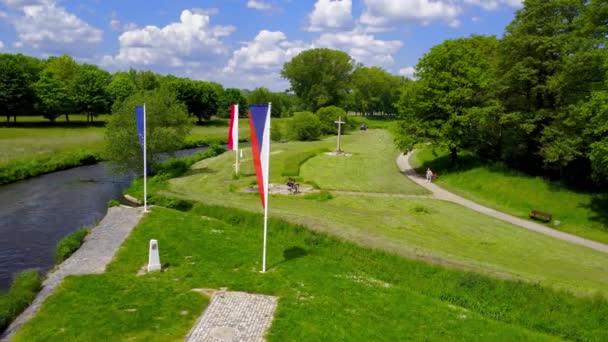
(38, 212)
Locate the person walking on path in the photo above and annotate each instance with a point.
(429, 175)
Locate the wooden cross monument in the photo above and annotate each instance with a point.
(339, 122)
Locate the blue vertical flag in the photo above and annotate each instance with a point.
(140, 111)
(140, 120)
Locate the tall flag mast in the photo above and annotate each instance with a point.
(140, 118)
(259, 123)
(233, 134)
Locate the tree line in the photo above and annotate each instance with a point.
(537, 99)
(59, 86)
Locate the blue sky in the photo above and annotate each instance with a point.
(242, 43)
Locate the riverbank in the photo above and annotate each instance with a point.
(36, 148)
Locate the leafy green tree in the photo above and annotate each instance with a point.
(15, 90)
(60, 72)
(374, 90)
(54, 97)
(121, 87)
(457, 80)
(328, 117)
(305, 126)
(167, 125)
(89, 91)
(144, 79)
(233, 96)
(319, 77)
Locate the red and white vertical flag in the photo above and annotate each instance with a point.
(233, 134)
(259, 123)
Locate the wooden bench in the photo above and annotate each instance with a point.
(539, 215)
(292, 186)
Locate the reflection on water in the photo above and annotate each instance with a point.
(38, 212)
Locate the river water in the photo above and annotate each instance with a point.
(38, 212)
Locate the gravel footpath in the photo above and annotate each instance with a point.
(92, 257)
(439, 193)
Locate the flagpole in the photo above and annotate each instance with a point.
(145, 167)
(236, 127)
(267, 194)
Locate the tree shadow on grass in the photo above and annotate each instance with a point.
(292, 253)
(441, 164)
(599, 206)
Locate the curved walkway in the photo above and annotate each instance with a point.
(439, 193)
(95, 253)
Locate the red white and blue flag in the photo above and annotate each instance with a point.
(259, 122)
(233, 134)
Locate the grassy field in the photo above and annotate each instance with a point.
(582, 214)
(372, 167)
(427, 229)
(329, 290)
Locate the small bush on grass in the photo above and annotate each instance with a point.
(328, 116)
(305, 126)
(22, 292)
(70, 244)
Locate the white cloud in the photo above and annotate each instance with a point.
(362, 46)
(331, 14)
(490, 5)
(475, 19)
(260, 61)
(1, 45)
(50, 29)
(260, 5)
(269, 50)
(407, 72)
(384, 13)
(189, 42)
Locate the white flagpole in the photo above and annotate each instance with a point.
(145, 167)
(236, 143)
(266, 181)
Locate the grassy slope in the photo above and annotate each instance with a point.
(329, 290)
(433, 230)
(581, 214)
(18, 143)
(372, 167)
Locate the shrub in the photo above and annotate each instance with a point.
(23, 290)
(70, 244)
(328, 116)
(113, 203)
(305, 126)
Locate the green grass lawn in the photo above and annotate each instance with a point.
(432, 230)
(371, 168)
(582, 214)
(20, 143)
(328, 290)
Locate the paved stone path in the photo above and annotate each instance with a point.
(439, 193)
(234, 316)
(92, 257)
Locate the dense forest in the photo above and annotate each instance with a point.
(536, 99)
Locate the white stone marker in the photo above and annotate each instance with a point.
(154, 258)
